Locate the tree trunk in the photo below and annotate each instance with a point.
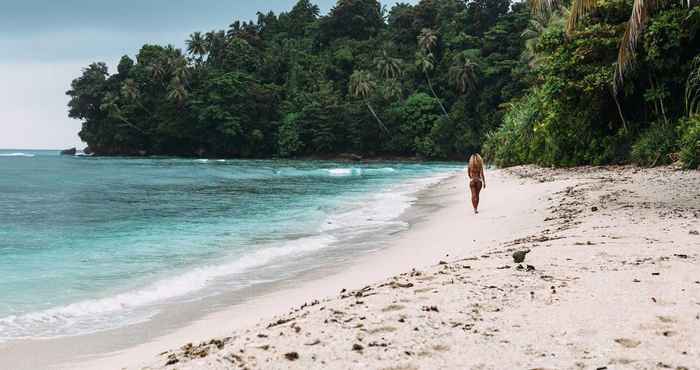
(619, 110)
(129, 124)
(430, 85)
(381, 124)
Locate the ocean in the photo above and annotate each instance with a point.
(90, 244)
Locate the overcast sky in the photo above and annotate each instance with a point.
(46, 43)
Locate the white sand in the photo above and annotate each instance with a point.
(616, 287)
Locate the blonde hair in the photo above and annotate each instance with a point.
(476, 164)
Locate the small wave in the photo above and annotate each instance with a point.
(99, 314)
(19, 154)
(345, 171)
(381, 209)
(202, 160)
(380, 170)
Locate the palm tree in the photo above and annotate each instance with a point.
(424, 59)
(157, 70)
(178, 65)
(427, 40)
(130, 91)
(177, 91)
(110, 106)
(388, 66)
(641, 11)
(361, 86)
(425, 63)
(197, 45)
(463, 73)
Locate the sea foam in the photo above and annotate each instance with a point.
(18, 154)
(357, 215)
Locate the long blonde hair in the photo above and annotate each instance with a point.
(476, 164)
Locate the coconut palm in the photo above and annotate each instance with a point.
(425, 59)
(361, 86)
(388, 66)
(641, 11)
(463, 73)
(427, 40)
(157, 70)
(425, 63)
(197, 45)
(130, 91)
(111, 107)
(177, 91)
(178, 65)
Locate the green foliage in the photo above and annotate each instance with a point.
(572, 116)
(689, 132)
(436, 79)
(304, 84)
(289, 141)
(654, 146)
(514, 142)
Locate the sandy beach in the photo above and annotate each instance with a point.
(612, 281)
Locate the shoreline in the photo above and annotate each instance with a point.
(173, 316)
(445, 293)
(436, 204)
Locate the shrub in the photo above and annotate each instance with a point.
(654, 145)
(689, 132)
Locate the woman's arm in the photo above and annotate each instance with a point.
(483, 177)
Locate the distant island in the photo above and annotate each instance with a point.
(521, 82)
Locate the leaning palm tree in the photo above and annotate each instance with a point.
(130, 91)
(197, 45)
(111, 107)
(388, 66)
(425, 63)
(361, 86)
(463, 73)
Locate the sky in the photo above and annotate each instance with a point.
(46, 43)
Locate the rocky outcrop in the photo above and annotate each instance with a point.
(70, 151)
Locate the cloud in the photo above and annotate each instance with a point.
(33, 111)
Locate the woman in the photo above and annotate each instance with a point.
(477, 180)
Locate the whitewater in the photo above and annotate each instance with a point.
(92, 244)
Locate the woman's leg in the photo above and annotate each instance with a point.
(475, 186)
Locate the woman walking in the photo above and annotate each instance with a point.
(477, 180)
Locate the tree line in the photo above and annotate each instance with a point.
(540, 81)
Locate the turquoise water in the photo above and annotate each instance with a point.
(89, 244)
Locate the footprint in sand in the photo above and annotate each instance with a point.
(628, 343)
(393, 307)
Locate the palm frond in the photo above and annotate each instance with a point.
(641, 10)
(544, 7)
(692, 88)
(579, 9)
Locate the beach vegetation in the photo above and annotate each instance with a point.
(553, 83)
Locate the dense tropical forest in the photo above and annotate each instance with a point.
(548, 82)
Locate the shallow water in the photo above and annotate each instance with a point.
(89, 244)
